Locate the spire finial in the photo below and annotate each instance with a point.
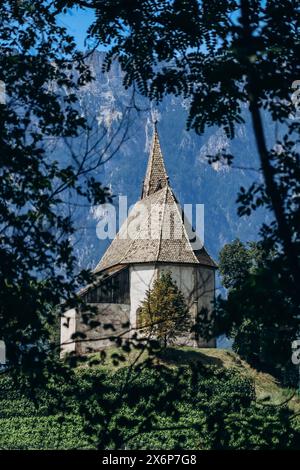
(156, 175)
(154, 117)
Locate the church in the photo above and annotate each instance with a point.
(154, 239)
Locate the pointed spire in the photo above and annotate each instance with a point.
(156, 175)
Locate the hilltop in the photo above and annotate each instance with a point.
(267, 388)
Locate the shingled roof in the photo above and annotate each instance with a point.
(154, 231)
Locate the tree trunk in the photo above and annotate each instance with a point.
(267, 169)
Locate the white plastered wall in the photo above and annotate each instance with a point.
(206, 296)
(67, 329)
(141, 279)
(197, 283)
(2, 353)
(184, 276)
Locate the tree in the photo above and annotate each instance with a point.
(257, 314)
(235, 263)
(41, 73)
(164, 313)
(238, 259)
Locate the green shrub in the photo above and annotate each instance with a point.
(153, 408)
(43, 432)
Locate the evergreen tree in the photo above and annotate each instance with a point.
(164, 312)
(258, 313)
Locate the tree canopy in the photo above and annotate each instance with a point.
(41, 72)
(257, 314)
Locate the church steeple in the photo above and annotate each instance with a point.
(156, 175)
(164, 241)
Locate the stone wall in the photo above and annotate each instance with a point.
(96, 338)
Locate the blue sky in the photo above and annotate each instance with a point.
(77, 22)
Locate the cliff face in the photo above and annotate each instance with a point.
(109, 106)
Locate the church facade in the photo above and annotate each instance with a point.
(153, 239)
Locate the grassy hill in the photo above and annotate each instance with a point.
(24, 426)
(266, 386)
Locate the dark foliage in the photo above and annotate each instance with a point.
(257, 313)
(41, 72)
(166, 408)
